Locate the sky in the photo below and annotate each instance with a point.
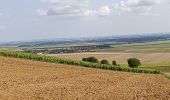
(47, 19)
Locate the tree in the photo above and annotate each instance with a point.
(91, 59)
(134, 62)
(85, 59)
(114, 63)
(104, 61)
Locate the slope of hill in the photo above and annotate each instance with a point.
(32, 80)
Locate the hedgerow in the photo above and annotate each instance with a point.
(9, 53)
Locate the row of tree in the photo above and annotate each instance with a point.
(132, 62)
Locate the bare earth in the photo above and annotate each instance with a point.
(31, 80)
(146, 58)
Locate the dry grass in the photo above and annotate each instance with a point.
(31, 80)
(146, 58)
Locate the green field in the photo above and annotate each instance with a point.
(163, 67)
(150, 47)
(154, 55)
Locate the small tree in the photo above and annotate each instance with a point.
(85, 59)
(104, 61)
(114, 63)
(133, 62)
(91, 59)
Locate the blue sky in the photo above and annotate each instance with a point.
(45, 19)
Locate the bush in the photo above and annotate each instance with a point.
(91, 59)
(114, 63)
(133, 62)
(85, 59)
(104, 61)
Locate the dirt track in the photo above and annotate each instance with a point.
(23, 79)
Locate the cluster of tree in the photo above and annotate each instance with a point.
(91, 59)
(132, 62)
(95, 60)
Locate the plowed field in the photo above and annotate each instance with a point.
(32, 80)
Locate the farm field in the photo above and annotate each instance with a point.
(160, 61)
(163, 59)
(148, 47)
(33, 80)
(154, 54)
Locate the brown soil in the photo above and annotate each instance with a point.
(32, 80)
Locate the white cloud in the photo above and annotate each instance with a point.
(137, 6)
(89, 13)
(84, 8)
(66, 8)
(41, 12)
(104, 10)
(72, 8)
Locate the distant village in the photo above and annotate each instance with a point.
(72, 49)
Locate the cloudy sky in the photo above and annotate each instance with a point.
(44, 19)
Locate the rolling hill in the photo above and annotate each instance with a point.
(33, 80)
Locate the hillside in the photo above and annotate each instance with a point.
(30, 80)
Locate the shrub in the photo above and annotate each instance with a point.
(114, 63)
(104, 61)
(91, 59)
(133, 62)
(85, 59)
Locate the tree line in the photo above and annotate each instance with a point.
(132, 62)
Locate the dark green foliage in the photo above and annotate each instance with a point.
(114, 63)
(43, 58)
(91, 59)
(104, 61)
(133, 62)
(85, 59)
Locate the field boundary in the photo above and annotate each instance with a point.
(43, 58)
